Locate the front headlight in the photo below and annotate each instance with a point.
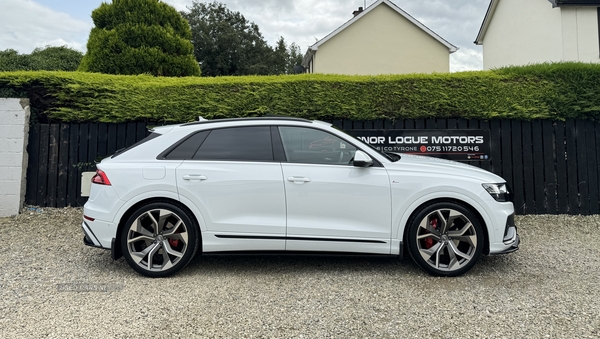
(498, 191)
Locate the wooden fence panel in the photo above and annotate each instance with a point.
(63, 167)
(43, 166)
(572, 183)
(549, 166)
(562, 183)
(59, 153)
(592, 166)
(53, 164)
(33, 150)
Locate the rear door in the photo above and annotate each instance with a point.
(238, 187)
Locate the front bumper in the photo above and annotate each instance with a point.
(511, 240)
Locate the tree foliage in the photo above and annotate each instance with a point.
(226, 43)
(41, 59)
(137, 37)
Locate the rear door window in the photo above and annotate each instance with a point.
(237, 144)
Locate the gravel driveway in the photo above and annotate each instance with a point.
(53, 286)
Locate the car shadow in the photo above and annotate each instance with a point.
(298, 263)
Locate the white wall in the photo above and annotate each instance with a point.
(580, 34)
(524, 32)
(14, 131)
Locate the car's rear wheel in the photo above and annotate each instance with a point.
(159, 239)
(445, 239)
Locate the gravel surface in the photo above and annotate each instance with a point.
(52, 286)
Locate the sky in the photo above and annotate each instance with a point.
(27, 24)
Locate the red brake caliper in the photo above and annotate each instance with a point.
(429, 241)
(173, 242)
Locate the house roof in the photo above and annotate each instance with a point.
(486, 21)
(562, 3)
(313, 48)
(555, 3)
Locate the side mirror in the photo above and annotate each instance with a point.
(361, 159)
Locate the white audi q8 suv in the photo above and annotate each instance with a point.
(290, 185)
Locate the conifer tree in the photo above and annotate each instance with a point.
(139, 36)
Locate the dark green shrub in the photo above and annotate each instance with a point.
(556, 92)
(137, 37)
(41, 59)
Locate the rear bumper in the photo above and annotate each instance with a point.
(89, 238)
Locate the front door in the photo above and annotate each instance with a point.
(332, 205)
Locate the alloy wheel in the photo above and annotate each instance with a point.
(446, 239)
(157, 240)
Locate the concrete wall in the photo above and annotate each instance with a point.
(382, 42)
(531, 31)
(14, 132)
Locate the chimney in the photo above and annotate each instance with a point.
(355, 13)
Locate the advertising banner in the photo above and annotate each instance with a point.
(466, 145)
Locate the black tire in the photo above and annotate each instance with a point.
(445, 251)
(165, 239)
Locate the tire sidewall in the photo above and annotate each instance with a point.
(193, 239)
(412, 235)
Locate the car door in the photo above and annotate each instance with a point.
(238, 187)
(332, 205)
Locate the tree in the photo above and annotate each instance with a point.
(139, 36)
(41, 59)
(226, 43)
(294, 59)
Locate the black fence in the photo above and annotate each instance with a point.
(59, 153)
(552, 167)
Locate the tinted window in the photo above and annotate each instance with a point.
(307, 145)
(186, 149)
(146, 139)
(237, 144)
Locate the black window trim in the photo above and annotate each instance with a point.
(276, 145)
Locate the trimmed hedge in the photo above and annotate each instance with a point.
(548, 91)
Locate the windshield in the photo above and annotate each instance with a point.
(393, 157)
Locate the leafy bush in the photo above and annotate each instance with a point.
(553, 91)
(47, 59)
(139, 36)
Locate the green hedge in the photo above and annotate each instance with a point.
(547, 91)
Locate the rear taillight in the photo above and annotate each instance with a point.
(100, 178)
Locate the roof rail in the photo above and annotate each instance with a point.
(247, 119)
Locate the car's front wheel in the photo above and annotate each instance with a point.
(445, 239)
(159, 239)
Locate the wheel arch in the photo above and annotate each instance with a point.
(486, 236)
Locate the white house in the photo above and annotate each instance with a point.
(520, 32)
(381, 39)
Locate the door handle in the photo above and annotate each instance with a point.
(194, 177)
(298, 180)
